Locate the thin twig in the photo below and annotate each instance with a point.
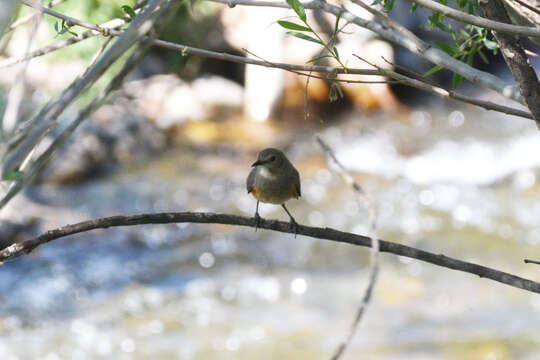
(528, 261)
(444, 93)
(372, 234)
(106, 27)
(407, 40)
(528, 6)
(23, 20)
(27, 246)
(16, 94)
(479, 21)
(47, 118)
(113, 85)
(187, 50)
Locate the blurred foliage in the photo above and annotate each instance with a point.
(192, 25)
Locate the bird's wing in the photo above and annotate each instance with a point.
(297, 184)
(250, 181)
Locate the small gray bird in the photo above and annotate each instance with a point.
(273, 180)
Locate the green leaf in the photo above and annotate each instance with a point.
(414, 6)
(389, 5)
(292, 26)
(433, 70)
(482, 56)
(317, 58)
(447, 48)
(304, 37)
(336, 53)
(456, 80)
(336, 25)
(13, 175)
(490, 44)
(298, 9)
(129, 11)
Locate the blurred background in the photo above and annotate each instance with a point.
(180, 135)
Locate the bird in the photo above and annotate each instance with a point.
(273, 180)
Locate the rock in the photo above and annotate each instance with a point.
(112, 137)
(170, 101)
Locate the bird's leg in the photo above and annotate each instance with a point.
(294, 225)
(257, 217)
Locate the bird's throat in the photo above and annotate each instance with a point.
(265, 173)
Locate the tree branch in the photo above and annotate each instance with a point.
(188, 50)
(406, 39)
(314, 232)
(499, 26)
(516, 59)
(47, 118)
(374, 238)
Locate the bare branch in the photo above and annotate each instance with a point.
(528, 261)
(314, 232)
(375, 246)
(479, 21)
(110, 25)
(424, 84)
(16, 93)
(46, 119)
(96, 103)
(29, 17)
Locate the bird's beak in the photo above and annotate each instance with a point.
(258, 162)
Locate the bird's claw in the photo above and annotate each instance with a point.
(294, 227)
(257, 221)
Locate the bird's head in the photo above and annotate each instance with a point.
(270, 158)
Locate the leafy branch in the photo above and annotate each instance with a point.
(301, 31)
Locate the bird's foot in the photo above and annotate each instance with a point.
(257, 220)
(294, 226)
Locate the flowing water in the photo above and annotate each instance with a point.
(464, 184)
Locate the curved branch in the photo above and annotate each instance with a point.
(314, 232)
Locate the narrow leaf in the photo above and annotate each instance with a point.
(304, 37)
(456, 80)
(129, 10)
(483, 57)
(336, 53)
(317, 58)
(298, 9)
(292, 26)
(447, 48)
(433, 70)
(13, 175)
(336, 26)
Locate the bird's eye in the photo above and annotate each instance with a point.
(273, 158)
